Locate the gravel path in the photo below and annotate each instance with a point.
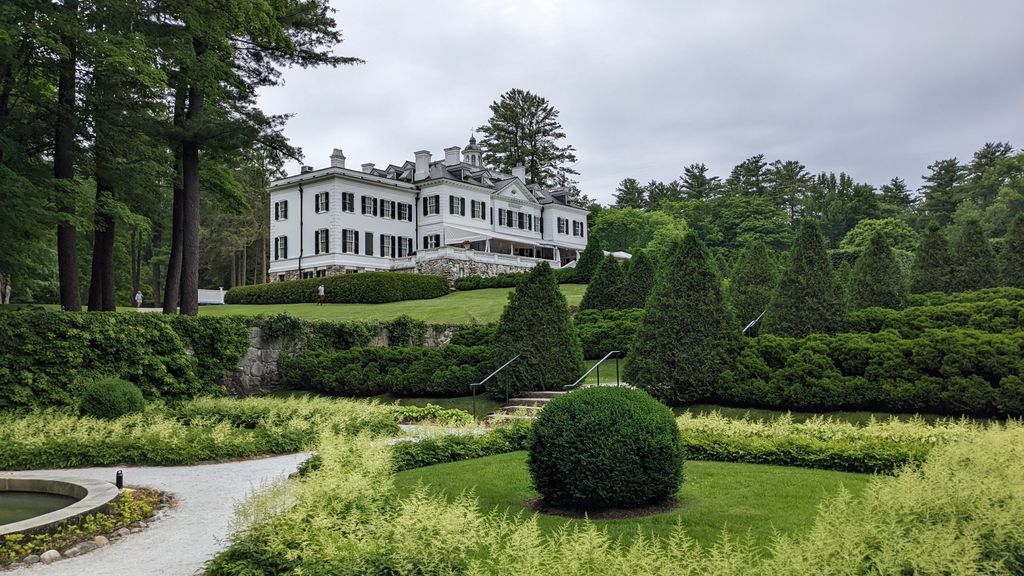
(190, 534)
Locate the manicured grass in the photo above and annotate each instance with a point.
(716, 496)
(479, 306)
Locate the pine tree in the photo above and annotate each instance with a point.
(844, 278)
(1011, 261)
(536, 325)
(605, 289)
(589, 260)
(809, 299)
(639, 280)
(753, 282)
(974, 262)
(933, 266)
(688, 336)
(877, 280)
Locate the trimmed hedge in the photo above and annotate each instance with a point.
(942, 371)
(988, 316)
(509, 279)
(452, 448)
(601, 331)
(401, 371)
(111, 398)
(362, 288)
(940, 298)
(474, 334)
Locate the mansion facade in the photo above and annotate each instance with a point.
(453, 217)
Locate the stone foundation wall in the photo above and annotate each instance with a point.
(455, 269)
(257, 372)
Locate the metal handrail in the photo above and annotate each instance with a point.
(474, 386)
(753, 322)
(597, 366)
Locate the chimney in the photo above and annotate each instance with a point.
(451, 155)
(422, 165)
(519, 172)
(337, 159)
(368, 167)
(305, 169)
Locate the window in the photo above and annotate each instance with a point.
(501, 216)
(350, 241)
(432, 241)
(577, 228)
(307, 274)
(404, 247)
(387, 209)
(457, 205)
(348, 202)
(281, 248)
(510, 218)
(478, 209)
(369, 205)
(321, 273)
(563, 226)
(321, 241)
(387, 246)
(281, 210)
(321, 202)
(521, 220)
(405, 212)
(368, 245)
(280, 277)
(432, 205)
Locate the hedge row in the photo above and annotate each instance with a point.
(508, 279)
(602, 331)
(987, 316)
(941, 371)
(362, 288)
(47, 357)
(401, 371)
(941, 298)
(455, 447)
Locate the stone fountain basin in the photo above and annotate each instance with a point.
(92, 496)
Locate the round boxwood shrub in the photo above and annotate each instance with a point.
(604, 447)
(111, 398)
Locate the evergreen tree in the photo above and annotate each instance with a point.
(697, 185)
(877, 280)
(536, 325)
(749, 178)
(943, 189)
(639, 280)
(974, 263)
(809, 299)
(630, 194)
(605, 289)
(933, 266)
(1011, 261)
(896, 196)
(688, 336)
(844, 278)
(753, 282)
(524, 131)
(589, 260)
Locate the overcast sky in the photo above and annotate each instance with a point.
(874, 88)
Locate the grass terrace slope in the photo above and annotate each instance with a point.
(479, 306)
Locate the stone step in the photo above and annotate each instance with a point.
(522, 407)
(546, 394)
(527, 401)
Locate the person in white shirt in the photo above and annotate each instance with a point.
(320, 291)
(138, 299)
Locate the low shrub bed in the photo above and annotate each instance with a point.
(508, 280)
(362, 288)
(438, 372)
(455, 447)
(941, 298)
(951, 372)
(996, 316)
(602, 331)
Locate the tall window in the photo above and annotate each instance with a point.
(350, 241)
(577, 228)
(405, 212)
(281, 210)
(478, 209)
(321, 202)
(281, 248)
(432, 241)
(457, 205)
(348, 202)
(387, 209)
(563, 225)
(369, 205)
(368, 245)
(510, 218)
(432, 205)
(387, 246)
(521, 220)
(404, 246)
(321, 241)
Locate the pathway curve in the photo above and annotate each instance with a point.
(190, 534)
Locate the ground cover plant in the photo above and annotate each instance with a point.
(956, 513)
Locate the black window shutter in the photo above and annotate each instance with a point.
(369, 243)
(374, 206)
(408, 244)
(284, 209)
(277, 248)
(277, 211)
(483, 210)
(355, 238)
(394, 208)
(501, 216)
(327, 201)
(362, 202)
(327, 240)
(462, 206)
(316, 242)
(425, 202)
(451, 204)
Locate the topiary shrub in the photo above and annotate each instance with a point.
(110, 398)
(604, 447)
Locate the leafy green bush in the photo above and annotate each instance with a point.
(508, 279)
(605, 447)
(474, 335)
(110, 398)
(451, 448)
(217, 343)
(362, 288)
(940, 298)
(601, 331)
(401, 371)
(987, 316)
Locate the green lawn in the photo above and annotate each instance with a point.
(467, 307)
(715, 496)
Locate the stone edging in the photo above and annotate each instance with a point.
(92, 495)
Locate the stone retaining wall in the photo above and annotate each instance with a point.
(454, 269)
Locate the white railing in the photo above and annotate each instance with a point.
(211, 296)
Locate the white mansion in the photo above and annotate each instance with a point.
(453, 217)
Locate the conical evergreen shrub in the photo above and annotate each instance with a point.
(605, 289)
(753, 282)
(1011, 261)
(639, 280)
(589, 260)
(688, 336)
(809, 299)
(877, 278)
(974, 262)
(933, 265)
(844, 278)
(536, 325)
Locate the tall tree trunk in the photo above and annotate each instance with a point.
(64, 167)
(101, 283)
(136, 255)
(233, 276)
(172, 287)
(190, 210)
(245, 266)
(154, 269)
(263, 258)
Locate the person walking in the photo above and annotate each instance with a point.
(138, 299)
(320, 292)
